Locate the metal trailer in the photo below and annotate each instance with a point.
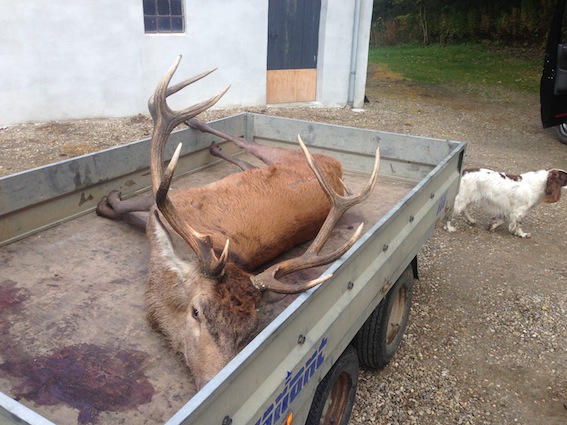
(74, 344)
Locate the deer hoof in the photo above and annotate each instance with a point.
(105, 207)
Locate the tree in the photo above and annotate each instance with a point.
(524, 21)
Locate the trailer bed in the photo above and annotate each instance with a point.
(75, 342)
(75, 346)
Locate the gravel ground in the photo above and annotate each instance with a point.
(487, 338)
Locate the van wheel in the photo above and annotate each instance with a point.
(381, 334)
(335, 394)
(561, 132)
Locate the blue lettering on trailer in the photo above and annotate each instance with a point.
(294, 383)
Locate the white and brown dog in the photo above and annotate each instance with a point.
(507, 197)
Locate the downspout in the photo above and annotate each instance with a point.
(354, 53)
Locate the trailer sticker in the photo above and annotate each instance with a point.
(293, 384)
(441, 210)
(442, 203)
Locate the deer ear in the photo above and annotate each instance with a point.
(163, 247)
(173, 277)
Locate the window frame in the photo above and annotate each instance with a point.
(164, 16)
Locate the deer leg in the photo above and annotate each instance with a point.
(112, 206)
(216, 150)
(136, 219)
(267, 154)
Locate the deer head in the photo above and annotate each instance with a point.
(206, 303)
(208, 319)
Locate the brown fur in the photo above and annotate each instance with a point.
(503, 175)
(263, 212)
(556, 179)
(513, 177)
(208, 320)
(285, 198)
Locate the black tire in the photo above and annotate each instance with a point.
(561, 132)
(335, 394)
(380, 336)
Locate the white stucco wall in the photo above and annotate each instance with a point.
(67, 59)
(335, 47)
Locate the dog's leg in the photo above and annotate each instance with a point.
(518, 232)
(496, 223)
(450, 228)
(514, 228)
(468, 217)
(457, 210)
(515, 220)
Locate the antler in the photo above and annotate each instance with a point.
(165, 120)
(268, 279)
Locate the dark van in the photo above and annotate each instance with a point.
(553, 86)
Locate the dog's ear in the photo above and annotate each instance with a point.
(555, 180)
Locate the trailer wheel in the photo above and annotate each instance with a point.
(381, 334)
(334, 397)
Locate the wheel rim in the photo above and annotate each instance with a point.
(336, 403)
(563, 129)
(396, 314)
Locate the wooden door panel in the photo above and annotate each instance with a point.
(291, 85)
(293, 39)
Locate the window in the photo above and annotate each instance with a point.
(163, 16)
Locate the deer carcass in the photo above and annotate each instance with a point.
(207, 306)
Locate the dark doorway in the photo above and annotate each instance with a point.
(293, 42)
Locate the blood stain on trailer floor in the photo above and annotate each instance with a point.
(84, 376)
(74, 343)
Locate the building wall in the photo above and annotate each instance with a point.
(335, 47)
(68, 59)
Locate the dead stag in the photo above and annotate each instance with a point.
(207, 306)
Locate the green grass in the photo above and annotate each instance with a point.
(471, 64)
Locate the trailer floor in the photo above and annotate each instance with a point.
(75, 346)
